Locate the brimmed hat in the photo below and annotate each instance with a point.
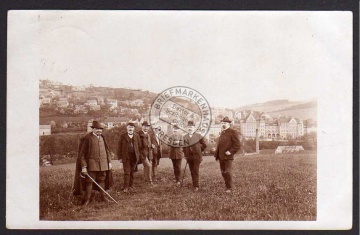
(191, 123)
(96, 125)
(145, 123)
(130, 123)
(226, 119)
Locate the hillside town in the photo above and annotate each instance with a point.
(66, 108)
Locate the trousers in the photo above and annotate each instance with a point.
(154, 164)
(226, 172)
(147, 170)
(129, 169)
(194, 166)
(177, 168)
(99, 177)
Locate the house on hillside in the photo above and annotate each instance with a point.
(112, 102)
(46, 100)
(238, 115)
(78, 88)
(80, 108)
(44, 130)
(124, 102)
(100, 100)
(62, 103)
(111, 122)
(91, 103)
(95, 107)
(137, 103)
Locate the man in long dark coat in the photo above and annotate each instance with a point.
(94, 160)
(228, 145)
(195, 144)
(129, 154)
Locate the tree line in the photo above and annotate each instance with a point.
(64, 147)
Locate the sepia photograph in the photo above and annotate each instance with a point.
(182, 119)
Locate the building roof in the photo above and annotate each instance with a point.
(284, 120)
(298, 120)
(45, 126)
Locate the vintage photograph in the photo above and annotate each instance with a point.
(181, 115)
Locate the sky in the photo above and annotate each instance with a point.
(232, 58)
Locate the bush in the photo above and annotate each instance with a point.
(57, 147)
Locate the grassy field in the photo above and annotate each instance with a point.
(268, 187)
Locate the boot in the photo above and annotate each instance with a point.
(92, 197)
(88, 194)
(103, 197)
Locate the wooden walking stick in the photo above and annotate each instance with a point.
(101, 188)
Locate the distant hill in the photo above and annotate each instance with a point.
(300, 109)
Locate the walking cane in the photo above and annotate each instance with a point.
(100, 187)
(184, 174)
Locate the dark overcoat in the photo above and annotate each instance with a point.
(80, 180)
(194, 152)
(228, 141)
(145, 146)
(124, 141)
(176, 152)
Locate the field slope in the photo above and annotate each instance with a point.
(268, 187)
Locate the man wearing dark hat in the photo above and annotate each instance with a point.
(95, 160)
(157, 150)
(228, 145)
(195, 144)
(176, 152)
(146, 153)
(129, 154)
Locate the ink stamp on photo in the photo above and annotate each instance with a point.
(180, 112)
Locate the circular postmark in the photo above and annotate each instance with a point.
(183, 115)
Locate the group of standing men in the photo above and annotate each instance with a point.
(142, 146)
(95, 162)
